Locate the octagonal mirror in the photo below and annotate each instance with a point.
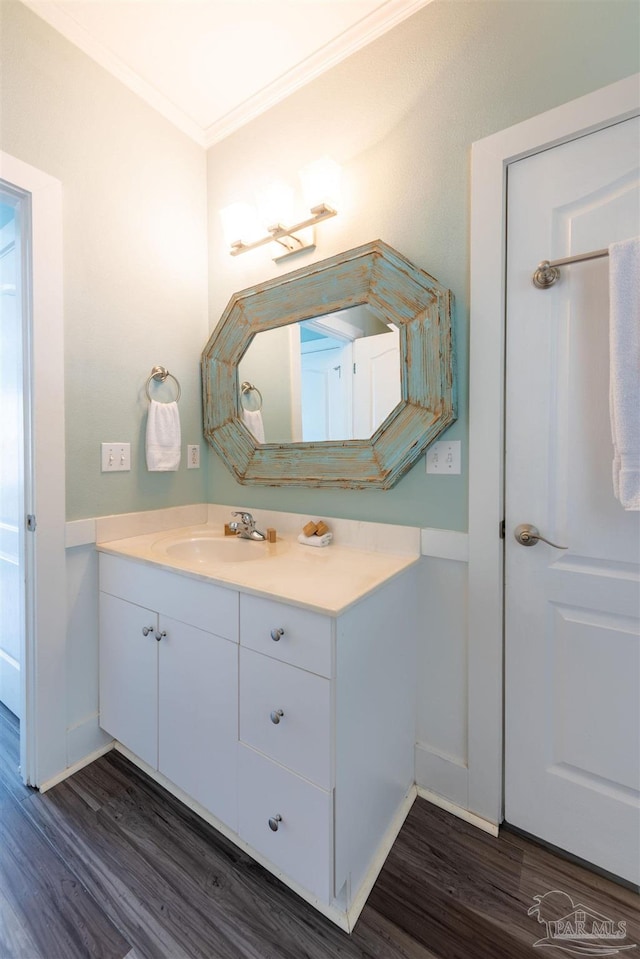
(337, 375)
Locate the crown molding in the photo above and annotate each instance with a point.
(355, 38)
(387, 16)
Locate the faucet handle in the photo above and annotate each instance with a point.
(246, 518)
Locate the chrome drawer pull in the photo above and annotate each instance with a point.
(276, 634)
(274, 822)
(276, 716)
(162, 635)
(148, 629)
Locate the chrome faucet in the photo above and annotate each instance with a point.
(245, 527)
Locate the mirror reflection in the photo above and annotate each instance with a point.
(334, 377)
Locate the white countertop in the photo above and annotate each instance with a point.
(324, 579)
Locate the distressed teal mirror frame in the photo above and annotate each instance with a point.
(374, 274)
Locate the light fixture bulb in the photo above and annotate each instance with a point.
(240, 223)
(321, 182)
(276, 204)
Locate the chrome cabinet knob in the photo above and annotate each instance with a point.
(274, 822)
(276, 634)
(276, 716)
(148, 629)
(162, 635)
(528, 535)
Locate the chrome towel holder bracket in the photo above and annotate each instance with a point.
(247, 388)
(161, 374)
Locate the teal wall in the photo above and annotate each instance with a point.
(135, 286)
(400, 116)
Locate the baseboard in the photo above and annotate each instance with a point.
(378, 862)
(85, 738)
(444, 775)
(491, 827)
(70, 770)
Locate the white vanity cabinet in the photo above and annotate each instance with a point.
(168, 683)
(292, 728)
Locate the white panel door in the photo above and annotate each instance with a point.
(572, 733)
(376, 382)
(198, 716)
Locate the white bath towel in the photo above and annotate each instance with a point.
(163, 437)
(624, 370)
(314, 540)
(252, 419)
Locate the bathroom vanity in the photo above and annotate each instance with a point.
(272, 691)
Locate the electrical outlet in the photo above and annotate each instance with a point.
(444, 457)
(115, 457)
(193, 457)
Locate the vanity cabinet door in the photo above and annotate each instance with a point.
(198, 716)
(129, 676)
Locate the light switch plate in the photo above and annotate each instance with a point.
(115, 457)
(444, 457)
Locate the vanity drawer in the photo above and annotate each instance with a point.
(306, 638)
(301, 738)
(302, 844)
(203, 605)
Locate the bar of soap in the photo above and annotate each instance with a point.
(310, 528)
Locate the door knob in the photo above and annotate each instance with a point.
(528, 535)
(161, 635)
(274, 822)
(276, 716)
(148, 629)
(276, 634)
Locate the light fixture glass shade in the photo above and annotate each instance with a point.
(321, 181)
(276, 204)
(240, 222)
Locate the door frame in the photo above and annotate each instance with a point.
(490, 159)
(43, 732)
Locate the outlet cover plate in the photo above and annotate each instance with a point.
(193, 457)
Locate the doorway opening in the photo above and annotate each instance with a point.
(15, 474)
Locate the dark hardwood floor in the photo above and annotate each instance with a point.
(107, 864)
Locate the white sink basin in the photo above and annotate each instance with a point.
(206, 549)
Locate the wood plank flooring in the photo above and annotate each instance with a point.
(108, 864)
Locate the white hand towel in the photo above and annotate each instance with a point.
(163, 437)
(314, 540)
(624, 369)
(253, 421)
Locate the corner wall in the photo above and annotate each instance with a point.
(400, 116)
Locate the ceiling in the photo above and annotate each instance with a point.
(210, 66)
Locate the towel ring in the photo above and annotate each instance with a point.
(248, 387)
(161, 374)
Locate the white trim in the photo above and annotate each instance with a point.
(439, 773)
(72, 770)
(369, 881)
(370, 28)
(80, 532)
(491, 827)
(490, 160)
(445, 544)
(43, 748)
(384, 18)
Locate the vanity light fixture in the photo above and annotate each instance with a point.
(320, 180)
